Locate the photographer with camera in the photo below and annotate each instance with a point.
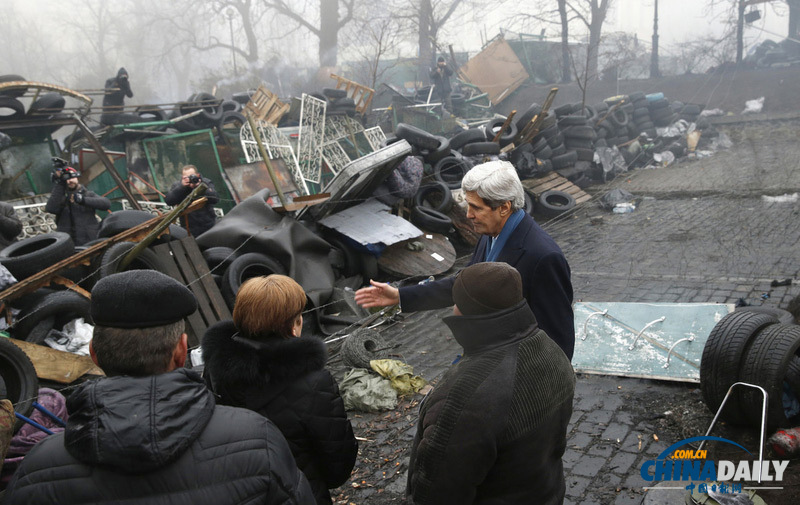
(440, 78)
(204, 218)
(74, 205)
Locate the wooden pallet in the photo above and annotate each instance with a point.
(264, 105)
(184, 262)
(361, 95)
(554, 181)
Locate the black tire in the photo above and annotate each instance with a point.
(580, 132)
(618, 118)
(47, 105)
(646, 126)
(245, 267)
(765, 364)
(151, 113)
(391, 139)
(122, 220)
(572, 144)
(11, 109)
(659, 114)
(722, 358)
(19, 382)
(556, 140)
(526, 117)
(350, 262)
(232, 117)
(34, 254)
(465, 137)
(642, 112)
(564, 160)
(231, 106)
(547, 133)
(436, 196)
(691, 109)
(563, 110)
(416, 136)
(362, 346)
(529, 203)
(661, 103)
(442, 151)
(780, 315)
(571, 120)
(243, 96)
(430, 220)
(333, 93)
(553, 203)
(493, 126)
(545, 153)
(219, 259)
(478, 148)
(558, 150)
(585, 154)
(211, 107)
(636, 96)
(60, 306)
(450, 171)
(14, 93)
(112, 257)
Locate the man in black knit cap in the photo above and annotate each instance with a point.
(494, 428)
(150, 432)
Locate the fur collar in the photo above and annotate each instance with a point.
(277, 360)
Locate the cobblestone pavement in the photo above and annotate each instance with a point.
(702, 233)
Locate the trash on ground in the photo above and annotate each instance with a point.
(753, 106)
(364, 391)
(785, 198)
(614, 197)
(401, 375)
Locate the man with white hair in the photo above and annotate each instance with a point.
(495, 205)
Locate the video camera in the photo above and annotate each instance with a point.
(62, 172)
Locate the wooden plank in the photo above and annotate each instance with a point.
(189, 274)
(218, 305)
(194, 320)
(57, 366)
(436, 256)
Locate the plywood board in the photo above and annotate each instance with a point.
(57, 366)
(430, 254)
(602, 345)
(496, 70)
(555, 182)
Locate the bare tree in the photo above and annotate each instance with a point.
(591, 13)
(562, 14)
(372, 41)
(331, 21)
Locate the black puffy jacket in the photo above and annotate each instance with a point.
(286, 381)
(158, 440)
(77, 219)
(201, 220)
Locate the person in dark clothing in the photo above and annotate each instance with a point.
(116, 89)
(440, 78)
(150, 432)
(495, 201)
(75, 206)
(201, 220)
(494, 429)
(10, 225)
(258, 362)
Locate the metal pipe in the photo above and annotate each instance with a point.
(651, 323)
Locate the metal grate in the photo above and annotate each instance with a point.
(277, 146)
(312, 136)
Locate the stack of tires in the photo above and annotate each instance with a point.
(47, 309)
(211, 112)
(641, 114)
(660, 111)
(230, 269)
(757, 346)
(46, 106)
(339, 104)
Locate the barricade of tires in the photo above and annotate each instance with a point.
(46, 309)
(759, 346)
(571, 133)
(46, 106)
